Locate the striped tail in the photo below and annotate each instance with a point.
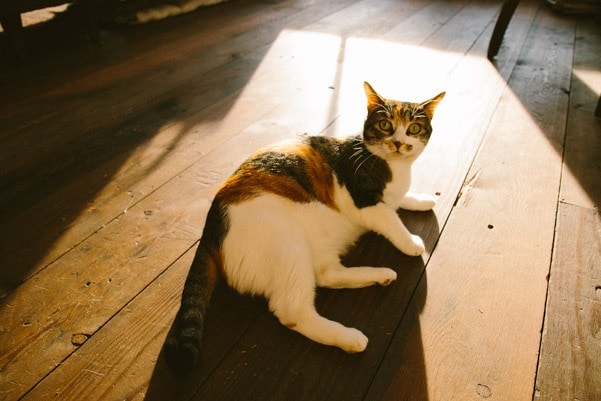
(184, 341)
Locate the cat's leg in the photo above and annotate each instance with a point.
(292, 301)
(337, 275)
(418, 202)
(297, 312)
(277, 262)
(383, 220)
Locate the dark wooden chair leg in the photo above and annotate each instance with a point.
(13, 27)
(505, 15)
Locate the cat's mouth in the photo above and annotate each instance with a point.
(393, 151)
(397, 149)
(405, 149)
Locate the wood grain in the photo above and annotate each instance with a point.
(580, 184)
(570, 357)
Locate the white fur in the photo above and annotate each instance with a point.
(282, 249)
(400, 159)
(396, 193)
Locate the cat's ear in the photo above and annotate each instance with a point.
(429, 105)
(373, 99)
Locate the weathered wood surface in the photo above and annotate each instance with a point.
(570, 359)
(580, 184)
(116, 151)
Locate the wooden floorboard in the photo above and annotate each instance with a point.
(580, 185)
(115, 150)
(570, 352)
(570, 358)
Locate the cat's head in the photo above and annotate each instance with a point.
(397, 130)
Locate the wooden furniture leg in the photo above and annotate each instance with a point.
(10, 19)
(13, 28)
(505, 15)
(496, 39)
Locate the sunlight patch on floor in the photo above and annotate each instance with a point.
(591, 78)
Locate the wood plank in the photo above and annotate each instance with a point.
(580, 184)
(102, 274)
(515, 36)
(474, 327)
(570, 360)
(117, 363)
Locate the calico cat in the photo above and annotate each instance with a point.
(278, 225)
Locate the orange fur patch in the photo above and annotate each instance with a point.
(320, 174)
(249, 181)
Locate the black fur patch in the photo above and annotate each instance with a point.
(362, 173)
(291, 165)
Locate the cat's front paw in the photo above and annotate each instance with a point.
(415, 247)
(426, 203)
(418, 202)
(354, 341)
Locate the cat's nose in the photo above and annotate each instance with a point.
(397, 146)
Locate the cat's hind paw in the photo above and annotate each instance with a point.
(354, 341)
(387, 276)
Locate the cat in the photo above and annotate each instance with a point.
(277, 227)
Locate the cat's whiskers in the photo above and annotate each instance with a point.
(355, 157)
(362, 158)
(386, 109)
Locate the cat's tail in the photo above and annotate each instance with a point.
(182, 347)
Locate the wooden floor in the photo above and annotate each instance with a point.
(112, 151)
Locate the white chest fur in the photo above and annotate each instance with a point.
(396, 189)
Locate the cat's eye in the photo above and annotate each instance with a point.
(385, 125)
(414, 128)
